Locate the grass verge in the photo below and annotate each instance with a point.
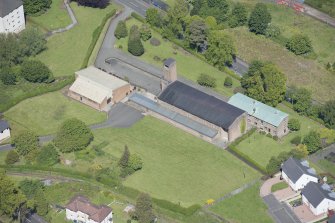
(279, 186)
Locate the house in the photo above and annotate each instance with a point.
(11, 16)
(331, 219)
(98, 89)
(297, 173)
(263, 117)
(318, 197)
(228, 120)
(4, 130)
(80, 209)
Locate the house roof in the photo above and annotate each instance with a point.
(315, 193)
(7, 6)
(294, 169)
(258, 109)
(200, 104)
(168, 62)
(3, 125)
(82, 204)
(95, 84)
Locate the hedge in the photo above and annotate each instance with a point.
(95, 37)
(55, 86)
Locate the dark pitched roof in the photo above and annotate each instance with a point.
(168, 62)
(315, 193)
(7, 6)
(294, 169)
(82, 204)
(200, 104)
(3, 125)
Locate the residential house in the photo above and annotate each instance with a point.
(4, 130)
(11, 16)
(318, 197)
(81, 210)
(297, 173)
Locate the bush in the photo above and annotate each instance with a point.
(121, 30)
(155, 42)
(73, 135)
(259, 19)
(135, 46)
(300, 44)
(135, 162)
(7, 76)
(36, 71)
(294, 124)
(48, 155)
(32, 7)
(312, 141)
(228, 82)
(296, 140)
(94, 3)
(272, 31)
(26, 142)
(206, 80)
(145, 32)
(12, 157)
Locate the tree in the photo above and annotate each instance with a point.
(197, 5)
(294, 124)
(299, 44)
(206, 80)
(296, 140)
(273, 166)
(36, 6)
(41, 204)
(123, 162)
(12, 157)
(7, 76)
(327, 114)
(11, 198)
(259, 19)
(30, 187)
(197, 34)
(221, 50)
(36, 71)
(228, 82)
(135, 162)
(135, 46)
(25, 142)
(153, 17)
(121, 30)
(264, 82)
(211, 22)
(312, 141)
(145, 32)
(239, 16)
(10, 50)
(33, 41)
(94, 3)
(73, 135)
(48, 155)
(300, 151)
(143, 209)
(301, 99)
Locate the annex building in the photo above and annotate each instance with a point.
(11, 16)
(98, 89)
(264, 117)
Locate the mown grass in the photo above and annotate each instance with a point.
(188, 65)
(176, 166)
(279, 186)
(66, 51)
(56, 17)
(261, 148)
(44, 114)
(245, 207)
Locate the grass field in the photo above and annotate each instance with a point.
(327, 6)
(56, 17)
(177, 166)
(245, 207)
(66, 51)
(279, 186)
(327, 166)
(188, 65)
(44, 114)
(261, 148)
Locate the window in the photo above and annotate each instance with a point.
(81, 98)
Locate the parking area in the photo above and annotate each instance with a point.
(305, 214)
(285, 194)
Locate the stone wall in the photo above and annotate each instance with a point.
(261, 125)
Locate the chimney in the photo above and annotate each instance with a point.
(170, 70)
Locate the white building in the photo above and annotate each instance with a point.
(318, 197)
(4, 130)
(11, 16)
(81, 210)
(298, 174)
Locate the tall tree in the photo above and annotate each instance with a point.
(143, 209)
(175, 17)
(121, 30)
(312, 141)
(33, 41)
(328, 114)
(239, 16)
(135, 45)
(221, 50)
(36, 71)
(153, 17)
(197, 34)
(41, 204)
(123, 162)
(259, 19)
(25, 142)
(301, 99)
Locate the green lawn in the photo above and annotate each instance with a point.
(279, 186)
(177, 166)
(56, 17)
(188, 65)
(261, 148)
(327, 166)
(66, 51)
(44, 114)
(245, 207)
(327, 6)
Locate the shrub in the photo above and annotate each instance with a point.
(206, 80)
(121, 30)
(94, 3)
(135, 46)
(73, 135)
(296, 140)
(25, 142)
(48, 155)
(312, 141)
(294, 124)
(300, 151)
(272, 31)
(145, 32)
(36, 6)
(155, 42)
(228, 82)
(135, 162)
(259, 19)
(143, 209)
(300, 44)
(12, 157)
(36, 71)
(7, 76)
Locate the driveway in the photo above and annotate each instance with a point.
(306, 215)
(267, 185)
